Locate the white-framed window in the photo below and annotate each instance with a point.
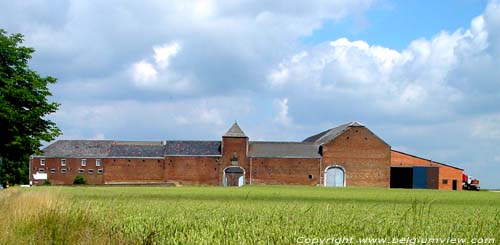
(97, 162)
(41, 170)
(52, 170)
(91, 171)
(63, 170)
(81, 170)
(100, 171)
(42, 162)
(63, 162)
(84, 162)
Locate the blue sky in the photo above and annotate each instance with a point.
(394, 24)
(423, 75)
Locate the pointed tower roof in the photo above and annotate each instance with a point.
(235, 131)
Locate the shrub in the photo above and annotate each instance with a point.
(79, 180)
(46, 182)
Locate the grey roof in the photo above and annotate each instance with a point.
(331, 134)
(235, 131)
(283, 149)
(136, 149)
(192, 148)
(110, 148)
(78, 148)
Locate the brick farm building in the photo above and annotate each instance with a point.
(347, 155)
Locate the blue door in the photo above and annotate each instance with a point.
(335, 177)
(419, 177)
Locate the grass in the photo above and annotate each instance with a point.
(252, 214)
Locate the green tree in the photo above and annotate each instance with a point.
(24, 105)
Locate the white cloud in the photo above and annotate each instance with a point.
(163, 53)
(432, 73)
(157, 75)
(282, 116)
(144, 73)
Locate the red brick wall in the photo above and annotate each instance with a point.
(129, 170)
(365, 158)
(445, 172)
(239, 146)
(201, 170)
(72, 167)
(285, 171)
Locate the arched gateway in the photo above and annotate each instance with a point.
(234, 176)
(335, 176)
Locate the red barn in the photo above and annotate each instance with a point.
(347, 155)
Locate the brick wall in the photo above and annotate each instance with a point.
(446, 173)
(239, 147)
(130, 170)
(365, 158)
(199, 170)
(285, 171)
(73, 165)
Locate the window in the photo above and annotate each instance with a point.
(91, 171)
(97, 162)
(81, 170)
(84, 162)
(63, 162)
(100, 171)
(42, 162)
(63, 170)
(445, 182)
(52, 170)
(41, 170)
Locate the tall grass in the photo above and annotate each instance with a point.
(248, 215)
(44, 217)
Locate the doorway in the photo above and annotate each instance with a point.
(454, 184)
(335, 176)
(234, 176)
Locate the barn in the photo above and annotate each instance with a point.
(347, 155)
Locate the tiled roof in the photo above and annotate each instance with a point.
(235, 131)
(137, 149)
(283, 149)
(192, 148)
(332, 133)
(78, 148)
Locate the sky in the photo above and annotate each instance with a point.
(422, 75)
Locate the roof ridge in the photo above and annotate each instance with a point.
(284, 142)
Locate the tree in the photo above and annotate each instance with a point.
(24, 105)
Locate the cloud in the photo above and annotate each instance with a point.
(156, 75)
(282, 114)
(144, 73)
(163, 53)
(430, 73)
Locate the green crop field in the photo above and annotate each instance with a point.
(247, 215)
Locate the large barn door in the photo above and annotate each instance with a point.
(234, 176)
(335, 177)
